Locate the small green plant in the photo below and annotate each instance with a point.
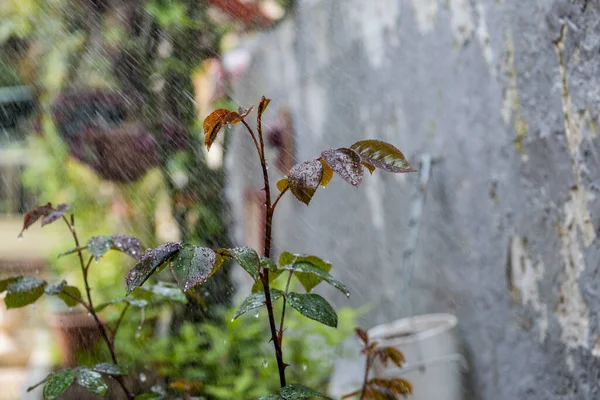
(380, 388)
(25, 290)
(192, 265)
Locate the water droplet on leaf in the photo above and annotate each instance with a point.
(265, 363)
(143, 377)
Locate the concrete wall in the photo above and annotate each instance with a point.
(505, 96)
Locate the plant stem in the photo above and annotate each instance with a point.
(119, 321)
(287, 288)
(278, 198)
(366, 377)
(264, 273)
(90, 304)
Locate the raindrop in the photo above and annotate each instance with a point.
(33, 307)
(265, 363)
(70, 309)
(348, 295)
(256, 314)
(96, 261)
(20, 237)
(143, 377)
(232, 319)
(89, 314)
(303, 367)
(225, 341)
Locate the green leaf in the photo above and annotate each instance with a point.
(5, 282)
(55, 288)
(296, 392)
(308, 280)
(305, 268)
(346, 163)
(271, 397)
(267, 263)
(304, 180)
(98, 246)
(161, 292)
(193, 265)
(247, 258)
(149, 396)
(70, 295)
(92, 381)
(256, 300)
(140, 303)
(109, 369)
(283, 184)
(314, 307)
(382, 155)
(24, 291)
(149, 263)
(58, 383)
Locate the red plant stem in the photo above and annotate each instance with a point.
(287, 288)
(90, 304)
(368, 363)
(279, 198)
(264, 273)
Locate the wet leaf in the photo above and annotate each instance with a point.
(92, 381)
(314, 307)
(345, 163)
(382, 155)
(212, 125)
(70, 295)
(33, 215)
(271, 397)
(308, 270)
(5, 282)
(193, 265)
(258, 285)
(149, 263)
(97, 246)
(55, 288)
(24, 291)
(56, 214)
(308, 280)
(129, 245)
(327, 173)
(368, 166)
(267, 263)
(247, 258)
(256, 300)
(57, 383)
(262, 106)
(304, 179)
(283, 184)
(161, 292)
(295, 392)
(109, 369)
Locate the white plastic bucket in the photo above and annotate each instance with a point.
(434, 366)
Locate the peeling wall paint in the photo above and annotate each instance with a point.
(462, 21)
(524, 279)
(483, 36)
(425, 14)
(572, 311)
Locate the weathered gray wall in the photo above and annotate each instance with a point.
(505, 95)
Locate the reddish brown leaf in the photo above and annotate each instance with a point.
(33, 215)
(363, 335)
(212, 125)
(304, 179)
(393, 385)
(56, 214)
(382, 155)
(262, 106)
(392, 354)
(346, 163)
